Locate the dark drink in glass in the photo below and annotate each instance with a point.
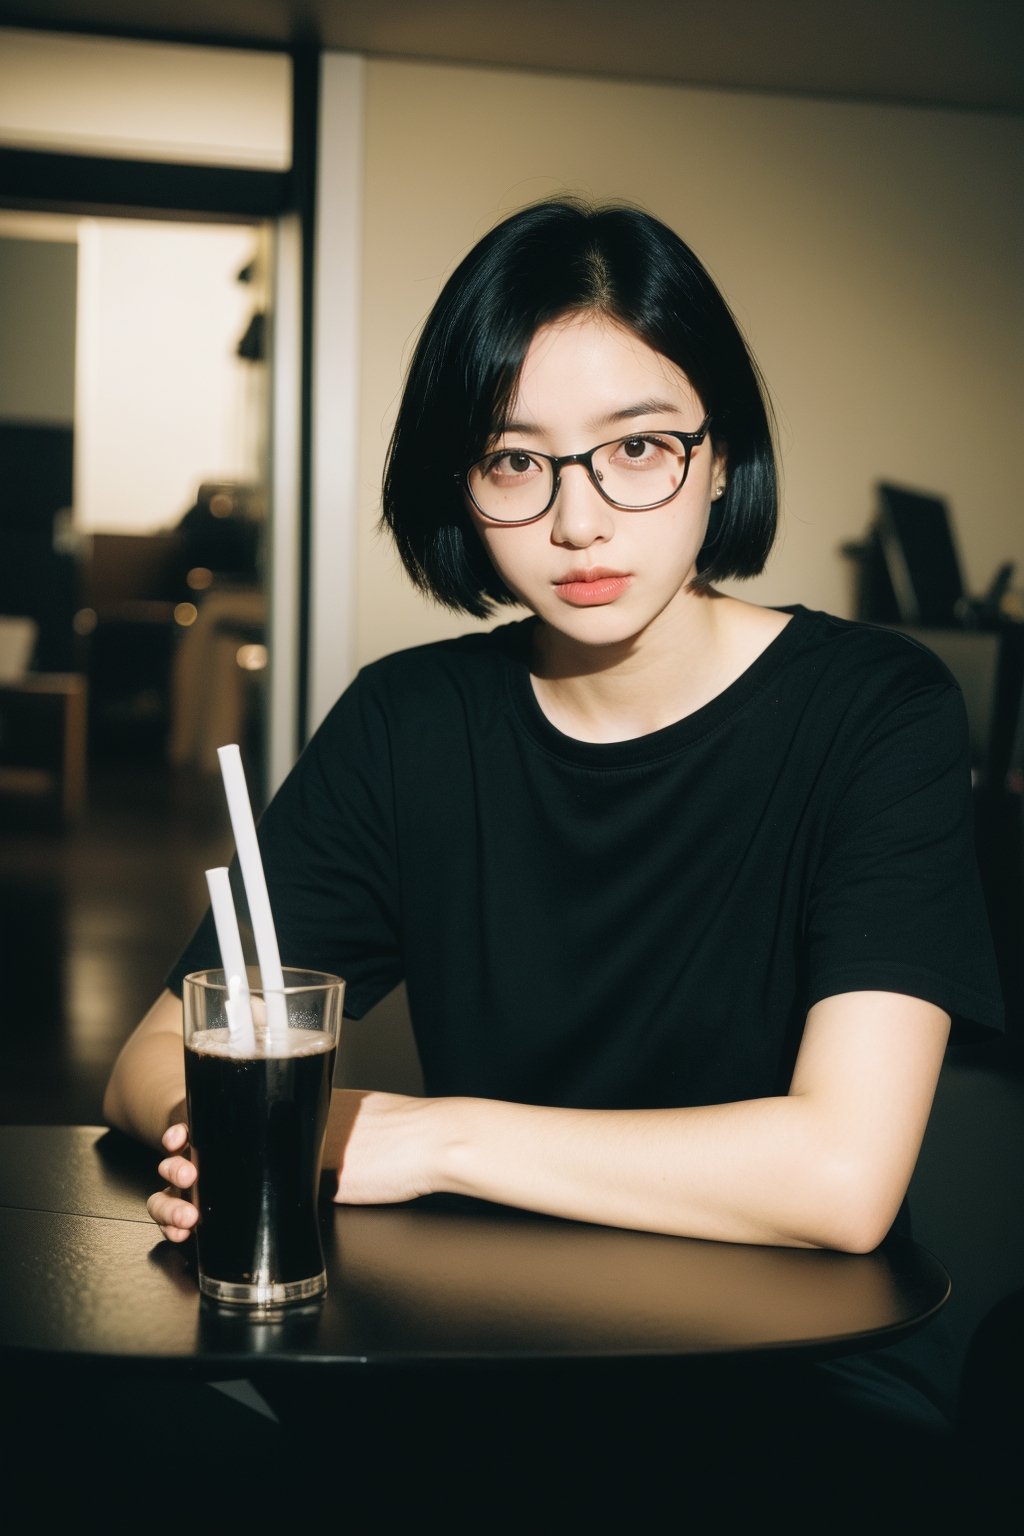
(257, 1119)
(257, 1130)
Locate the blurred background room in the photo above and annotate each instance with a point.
(220, 228)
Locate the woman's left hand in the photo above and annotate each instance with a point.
(379, 1143)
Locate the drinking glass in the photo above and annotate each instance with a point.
(257, 1114)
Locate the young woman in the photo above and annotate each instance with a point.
(682, 889)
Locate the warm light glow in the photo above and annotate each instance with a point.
(185, 614)
(251, 658)
(145, 100)
(199, 578)
(84, 621)
(221, 504)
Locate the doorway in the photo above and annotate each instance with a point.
(134, 404)
(174, 571)
(133, 424)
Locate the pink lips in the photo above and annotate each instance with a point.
(589, 589)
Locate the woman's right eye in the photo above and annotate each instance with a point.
(511, 463)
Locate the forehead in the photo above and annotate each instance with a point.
(588, 367)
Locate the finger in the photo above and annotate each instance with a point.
(178, 1171)
(175, 1234)
(175, 1137)
(174, 1217)
(168, 1209)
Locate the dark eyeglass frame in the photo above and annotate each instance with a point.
(689, 440)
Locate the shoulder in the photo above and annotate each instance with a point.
(462, 657)
(884, 662)
(411, 705)
(877, 699)
(423, 687)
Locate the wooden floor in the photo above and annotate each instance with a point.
(91, 917)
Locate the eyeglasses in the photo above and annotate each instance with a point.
(634, 473)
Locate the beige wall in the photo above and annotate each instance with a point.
(870, 253)
(163, 400)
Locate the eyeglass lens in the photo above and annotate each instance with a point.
(512, 484)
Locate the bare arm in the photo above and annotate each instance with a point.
(825, 1166)
(146, 1090)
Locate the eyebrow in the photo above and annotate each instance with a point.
(652, 407)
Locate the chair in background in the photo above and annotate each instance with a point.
(42, 730)
(220, 658)
(149, 598)
(907, 568)
(210, 685)
(130, 584)
(18, 636)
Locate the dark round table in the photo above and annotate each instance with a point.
(495, 1370)
(83, 1272)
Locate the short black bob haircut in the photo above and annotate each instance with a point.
(549, 260)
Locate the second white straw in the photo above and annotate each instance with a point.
(248, 850)
(239, 1007)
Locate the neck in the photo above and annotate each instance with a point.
(621, 691)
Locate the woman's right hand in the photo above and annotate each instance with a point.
(175, 1217)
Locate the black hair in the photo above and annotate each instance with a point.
(546, 261)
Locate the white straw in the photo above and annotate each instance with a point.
(238, 1008)
(248, 850)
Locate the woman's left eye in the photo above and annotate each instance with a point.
(639, 449)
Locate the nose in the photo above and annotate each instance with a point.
(581, 516)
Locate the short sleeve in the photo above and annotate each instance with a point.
(897, 903)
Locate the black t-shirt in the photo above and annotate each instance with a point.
(643, 923)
